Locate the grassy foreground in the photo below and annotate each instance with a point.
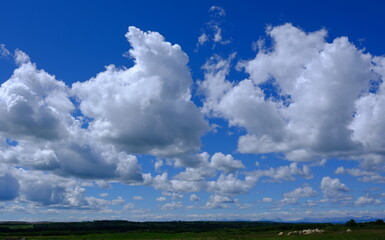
(367, 234)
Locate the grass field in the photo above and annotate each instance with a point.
(372, 234)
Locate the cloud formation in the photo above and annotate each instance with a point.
(305, 97)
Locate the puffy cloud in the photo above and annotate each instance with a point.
(128, 168)
(367, 201)
(161, 199)
(231, 185)
(153, 96)
(161, 182)
(172, 206)
(129, 206)
(267, 200)
(33, 104)
(194, 197)
(137, 197)
(206, 168)
(218, 201)
(283, 173)
(305, 97)
(225, 162)
(364, 176)
(333, 189)
(301, 192)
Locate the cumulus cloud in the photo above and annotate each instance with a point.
(218, 201)
(301, 192)
(153, 96)
(161, 199)
(333, 189)
(283, 173)
(33, 104)
(194, 197)
(363, 175)
(172, 206)
(267, 200)
(137, 197)
(367, 201)
(305, 97)
(225, 162)
(231, 185)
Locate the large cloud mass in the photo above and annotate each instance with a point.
(305, 97)
(92, 130)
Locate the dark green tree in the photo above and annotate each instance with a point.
(351, 223)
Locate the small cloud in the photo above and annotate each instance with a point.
(216, 10)
(267, 200)
(202, 39)
(367, 201)
(137, 197)
(213, 29)
(129, 206)
(3, 51)
(194, 198)
(161, 199)
(172, 206)
(103, 194)
(340, 170)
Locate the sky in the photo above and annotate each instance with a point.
(192, 110)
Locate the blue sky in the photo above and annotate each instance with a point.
(179, 110)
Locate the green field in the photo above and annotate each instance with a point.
(372, 234)
(120, 230)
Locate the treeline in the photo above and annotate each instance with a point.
(365, 225)
(107, 226)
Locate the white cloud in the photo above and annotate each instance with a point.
(194, 197)
(203, 38)
(33, 104)
(129, 206)
(137, 197)
(161, 199)
(301, 192)
(231, 185)
(320, 104)
(267, 200)
(153, 95)
(367, 201)
(333, 189)
(226, 163)
(363, 175)
(128, 168)
(103, 194)
(172, 206)
(217, 10)
(3, 51)
(218, 201)
(213, 28)
(283, 173)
